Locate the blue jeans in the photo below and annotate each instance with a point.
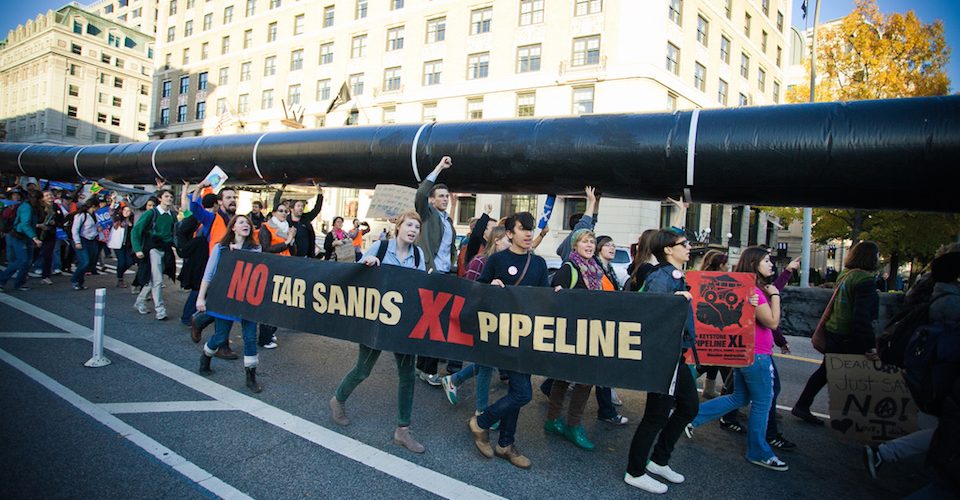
(189, 307)
(221, 333)
(483, 374)
(507, 408)
(19, 255)
(124, 261)
(752, 384)
(86, 260)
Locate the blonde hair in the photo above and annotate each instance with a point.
(496, 232)
(410, 214)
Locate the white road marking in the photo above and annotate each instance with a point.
(165, 455)
(165, 407)
(409, 472)
(37, 335)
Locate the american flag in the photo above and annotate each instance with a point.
(225, 118)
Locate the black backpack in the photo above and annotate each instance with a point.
(932, 364)
(892, 342)
(382, 252)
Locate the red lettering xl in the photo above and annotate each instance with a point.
(430, 320)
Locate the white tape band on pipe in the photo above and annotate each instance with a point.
(255, 148)
(413, 152)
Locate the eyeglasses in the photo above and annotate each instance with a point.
(685, 243)
(281, 211)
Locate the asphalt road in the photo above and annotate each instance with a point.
(147, 426)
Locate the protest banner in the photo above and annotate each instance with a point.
(626, 340)
(346, 252)
(869, 401)
(104, 217)
(723, 317)
(390, 200)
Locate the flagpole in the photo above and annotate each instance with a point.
(807, 211)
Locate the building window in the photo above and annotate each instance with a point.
(251, 7)
(77, 27)
(186, 56)
(703, 30)
(429, 112)
(71, 131)
(779, 56)
(700, 77)
(221, 105)
(722, 90)
(358, 46)
(141, 127)
(390, 115)
(432, 71)
(725, 49)
(582, 100)
(270, 66)
(245, 71)
(165, 116)
(181, 113)
(528, 58)
(144, 90)
(466, 207)
(201, 110)
(166, 89)
(114, 40)
(436, 29)
(328, 16)
(105, 58)
(73, 90)
(475, 108)
(480, 20)
(224, 76)
(744, 65)
(776, 92)
(395, 38)
(224, 45)
(243, 103)
(228, 15)
(673, 58)
(586, 50)
(188, 29)
(478, 65)
(396, 4)
(271, 32)
(674, 13)
(298, 24)
(202, 81)
(266, 99)
(391, 79)
(762, 79)
(76, 49)
(763, 41)
(326, 53)
(72, 111)
(207, 22)
(296, 60)
(526, 104)
(516, 203)
(274, 4)
(765, 7)
(204, 51)
(101, 137)
(118, 82)
(584, 7)
(171, 33)
(74, 70)
(356, 84)
(323, 90)
(780, 21)
(744, 101)
(746, 23)
(172, 9)
(293, 95)
(361, 11)
(671, 101)
(531, 12)
(184, 84)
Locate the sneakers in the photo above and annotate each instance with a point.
(339, 413)
(403, 437)
(46, 281)
(805, 415)
(616, 420)
(433, 380)
(688, 430)
(481, 438)
(78, 287)
(665, 472)
(513, 455)
(772, 463)
(449, 389)
(781, 443)
(645, 483)
(23, 288)
(162, 317)
(733, 426)
(141, 308)
(270, 345)
(872, 460)
(34, 274)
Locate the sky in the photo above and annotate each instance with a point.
(13, 13)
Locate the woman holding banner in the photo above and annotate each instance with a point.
(753, 384)
(399, 251)
(238, 236)
(276, 236)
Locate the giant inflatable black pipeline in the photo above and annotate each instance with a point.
(628, 340)
(864, 154)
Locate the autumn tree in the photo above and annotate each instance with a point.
(869, 55)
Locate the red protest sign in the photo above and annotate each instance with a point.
(723, 316)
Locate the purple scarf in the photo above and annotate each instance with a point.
(589, 269)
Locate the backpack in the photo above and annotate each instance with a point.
(7, 218)
(68, 225)
(892, 342)
(382, 252)
(932, 364)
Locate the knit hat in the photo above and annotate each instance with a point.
(603, 240)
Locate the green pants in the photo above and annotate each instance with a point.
(366, 358)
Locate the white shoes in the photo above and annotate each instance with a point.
(645, 483)
(665, 472)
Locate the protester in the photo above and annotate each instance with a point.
(21, 241)
(474, 245)
(587, 220)
(256, 215)
(152, 239)
(84, 232)
(123, 222)
(238, 236)
(335, 238)
(849, 328)
(400, 251)
(515, 266)
(276, 236)
(672, 251)
(437, 238)
(305, 244)
(754, 383)
(194, 250)
(643, 262)
(49, 219)
(356, 236)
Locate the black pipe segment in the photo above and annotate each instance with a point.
(893, 154)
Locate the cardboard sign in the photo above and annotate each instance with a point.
(346, 252)
(628, 340)
(217, 178)
(869, 401)
(723, 317)
(390, 200)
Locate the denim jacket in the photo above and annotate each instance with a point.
(661, 280)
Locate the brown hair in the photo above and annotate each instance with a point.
(864, 255)
(496, 233)
(644, 252)
(410, 214)
(749, 262)
(229, 234)
(713, 260)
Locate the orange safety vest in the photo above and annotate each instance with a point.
(275, 240)
(217, 230)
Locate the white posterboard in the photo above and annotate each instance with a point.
(217, 178)
(390, 200)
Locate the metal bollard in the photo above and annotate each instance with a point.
(98, 358)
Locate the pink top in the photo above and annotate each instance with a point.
(764, 340)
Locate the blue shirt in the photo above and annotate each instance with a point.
(441, 261)
(391, 258)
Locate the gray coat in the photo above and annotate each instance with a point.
(431, 230)
(948, 307)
